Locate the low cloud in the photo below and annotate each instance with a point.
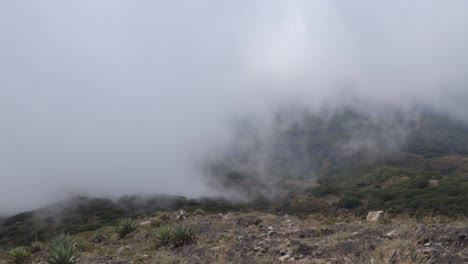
(117, 97)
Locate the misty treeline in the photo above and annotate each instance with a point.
(405, 160)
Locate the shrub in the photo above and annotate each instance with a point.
(419, 183)
(125, 227)
(325, 190)
(199, 212)
(37, 247)
(182, 235)
(63, 250)
(19, 255)
(349, 202)
(164, 235)
(84, 246)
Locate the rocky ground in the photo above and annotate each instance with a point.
(259, 237)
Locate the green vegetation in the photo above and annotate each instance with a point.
(178, 235)
(125, 227)
(36, 247)
(77, 215)
(19, 255)
(349, 203)
(63, 250)
(199, 211)
(98, 237)
(164, 235)
(182, 235)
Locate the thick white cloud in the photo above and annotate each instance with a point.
(116, 97)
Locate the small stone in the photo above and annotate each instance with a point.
(427, 244)
(145, 223)
(355, 233)
(284, 258)
(120, 250)
(270, 228)
(218, 248)
(271, 232)
(392, 234)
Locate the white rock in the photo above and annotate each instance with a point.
(375, 216)
(145, 223)
(392, 234)
(284, 258)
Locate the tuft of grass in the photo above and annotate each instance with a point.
(63, 250)
(125, 227)
(19, 255)
(182, 235)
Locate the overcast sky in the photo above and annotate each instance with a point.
(110, 97)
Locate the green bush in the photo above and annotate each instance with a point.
(349, 203)
(419, 183)
(19, 255)
(125, 227)
(63, 250)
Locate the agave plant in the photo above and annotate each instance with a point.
(36, 247)
(125, 227)
(182, 235)
(164, 216)
(181, 215)
(164, 235)
(63, 250)
(19, 255)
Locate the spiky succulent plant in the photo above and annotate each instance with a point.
(63, 250)
(125, 227)
(36, 247)
(19, 255)
(164, 216)
(182, 235)
(164, 235)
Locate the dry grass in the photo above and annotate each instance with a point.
(310, 239)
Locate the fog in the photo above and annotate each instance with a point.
(116, 97)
